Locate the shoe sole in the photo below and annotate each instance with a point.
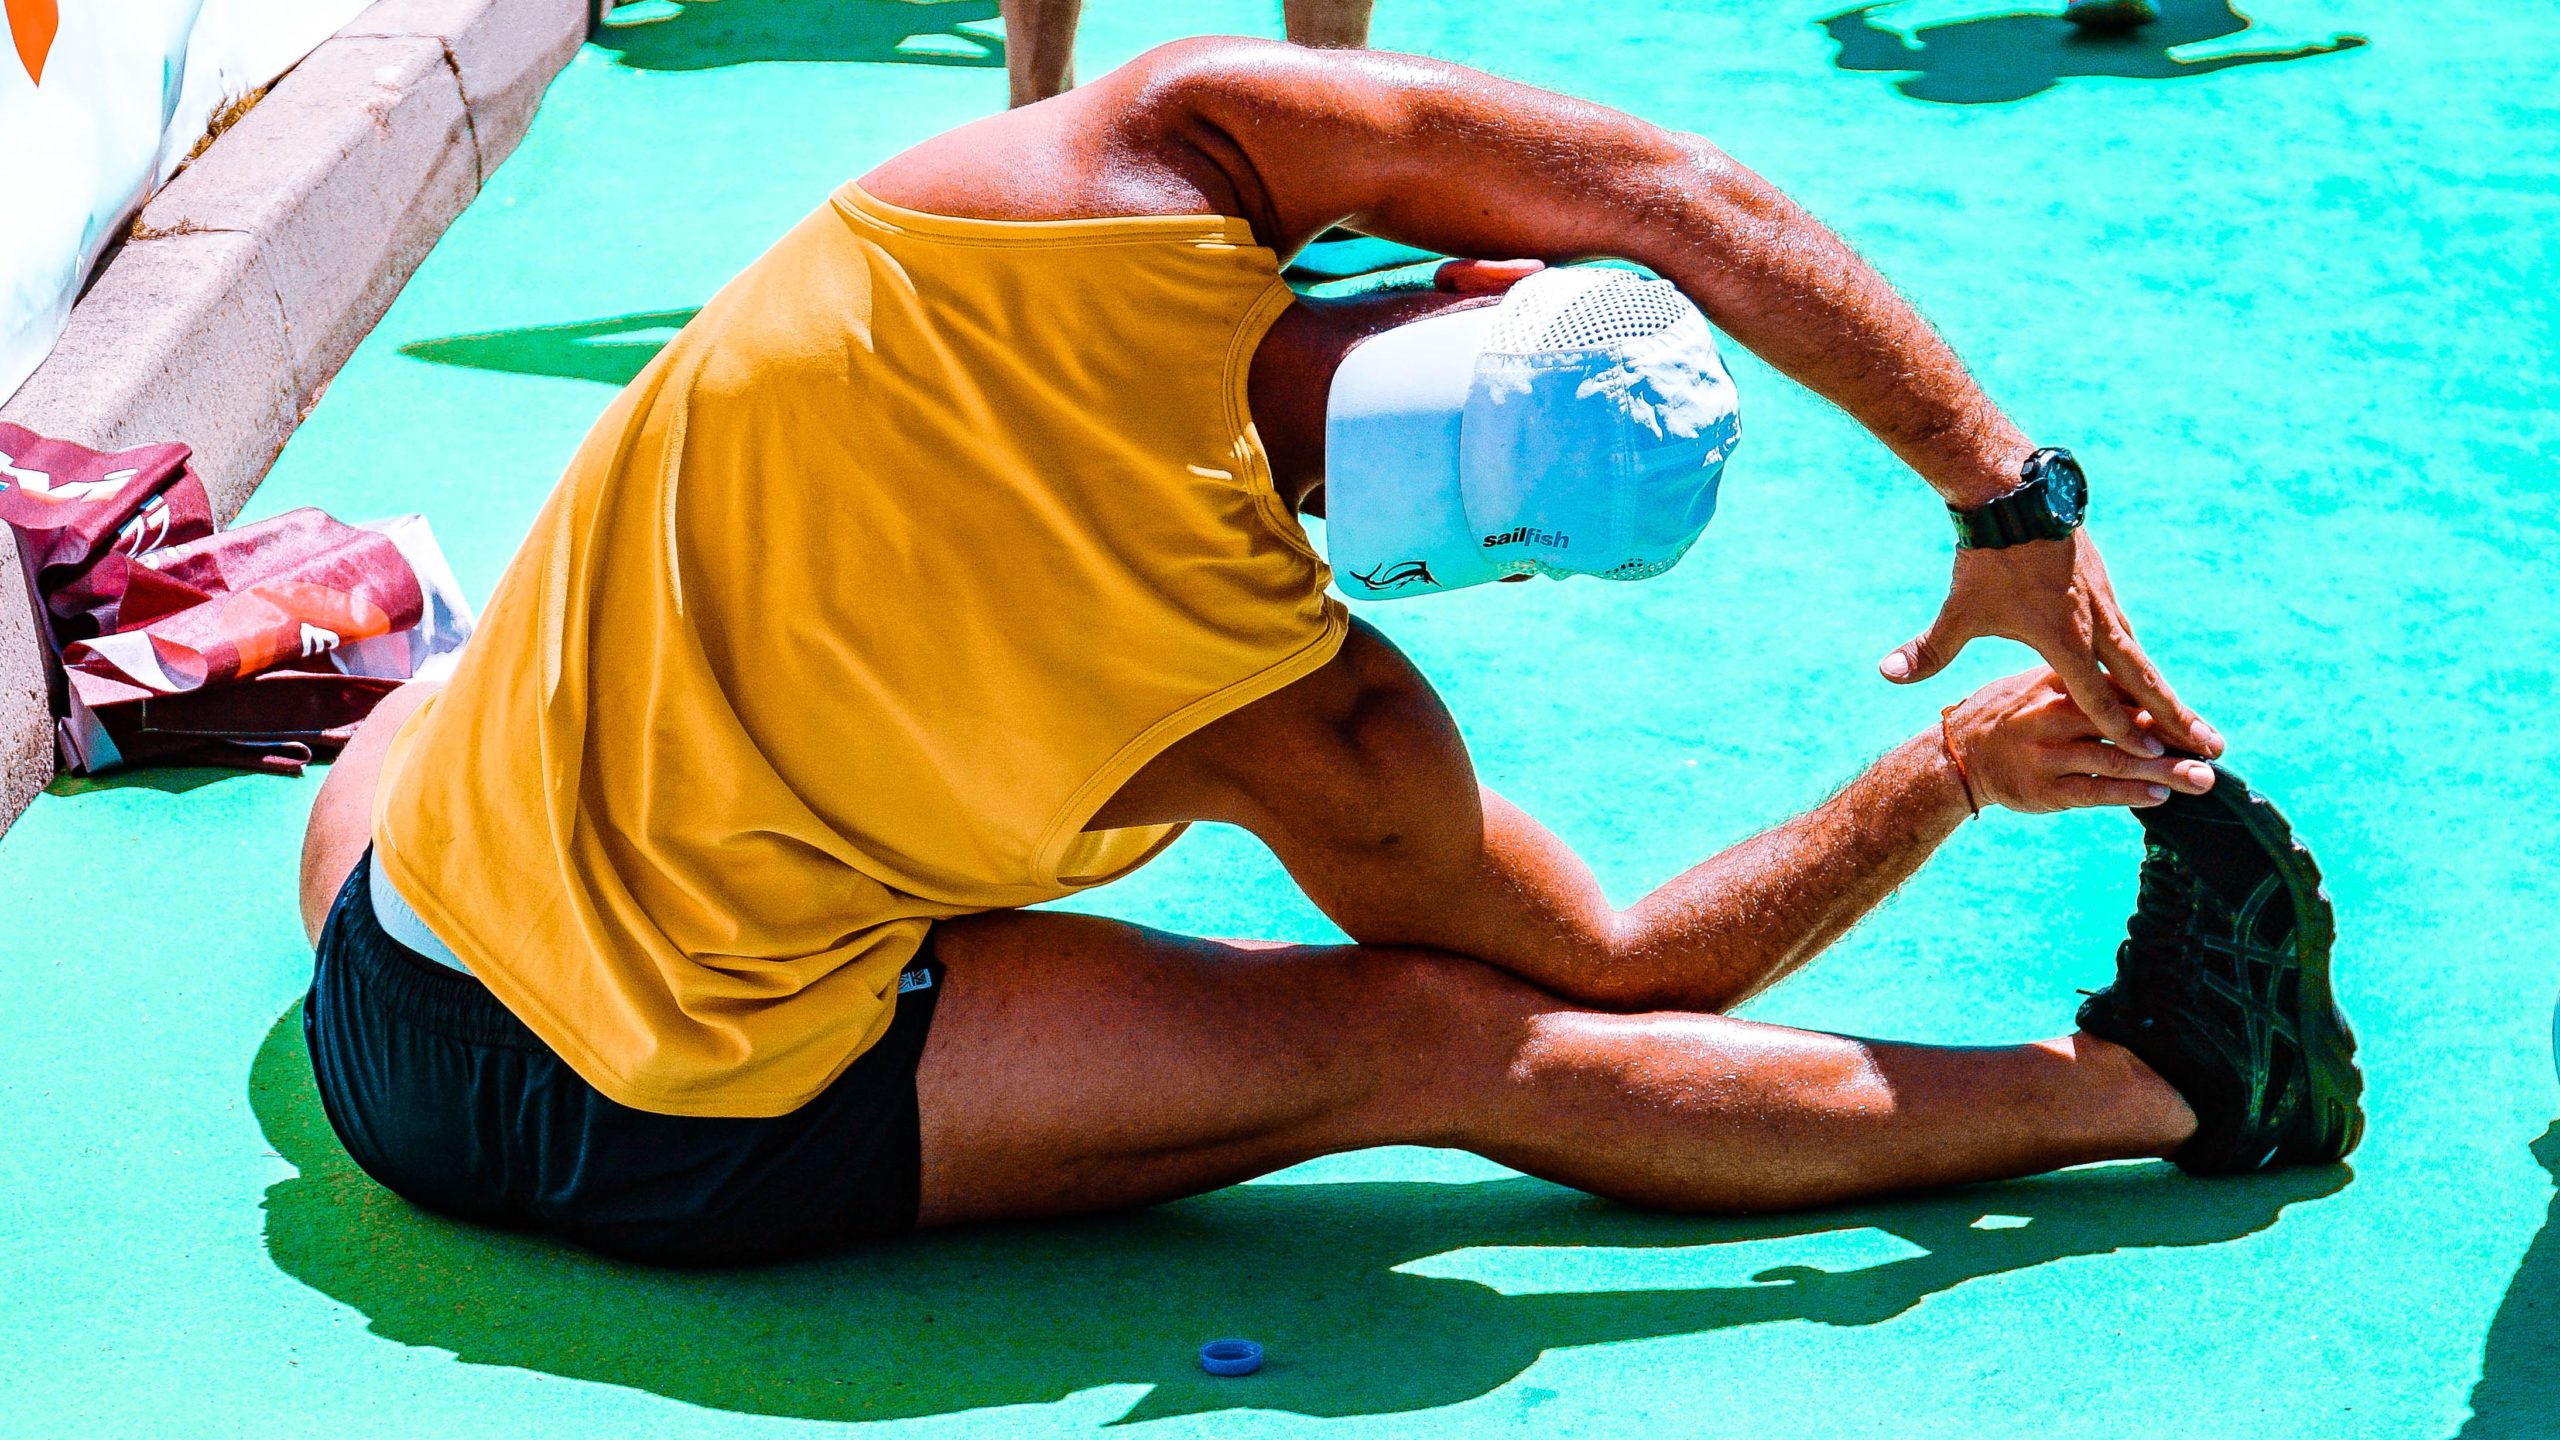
(2327, 1041)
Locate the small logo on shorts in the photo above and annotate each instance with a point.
(915, 980)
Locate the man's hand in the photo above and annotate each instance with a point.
(2025, 743)
(2053, 596)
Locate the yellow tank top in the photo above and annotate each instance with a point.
(858, 603)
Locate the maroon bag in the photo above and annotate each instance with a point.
(79, 516)
(174, 644)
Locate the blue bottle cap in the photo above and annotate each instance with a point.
(1230, 1357)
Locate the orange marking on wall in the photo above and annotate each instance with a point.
(31, 25)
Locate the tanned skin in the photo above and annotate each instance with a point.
(1495, 1000)
(1040, 39)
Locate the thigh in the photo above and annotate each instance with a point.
(1078, 1064)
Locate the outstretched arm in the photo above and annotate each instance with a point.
(1744, 919)
(1357, 779)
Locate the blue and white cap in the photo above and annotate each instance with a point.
(1578, 427)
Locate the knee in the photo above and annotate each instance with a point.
(1438, 989)
(1451, 1030)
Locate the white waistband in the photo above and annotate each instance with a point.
(401, 922)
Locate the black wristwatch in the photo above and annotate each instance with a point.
(2051, 500)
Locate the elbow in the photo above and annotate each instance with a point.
(1699, 167)
(1620, 973)
(1724, 198)
(1628, 974)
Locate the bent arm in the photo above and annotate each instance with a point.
(1440, 156)
(1437, 155)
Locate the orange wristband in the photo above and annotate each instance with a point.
(1947, 737)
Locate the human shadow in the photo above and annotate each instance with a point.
(611, 350)
(2519, 1391)
(1370, 1297)
(703, 35)
(1990, 59)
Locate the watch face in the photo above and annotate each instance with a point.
(2066, 490)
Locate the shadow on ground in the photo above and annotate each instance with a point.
(611, 350)
(703, 35)
(1371, 1297)
(168, 781)
(1989, 59)
(2518, 1397)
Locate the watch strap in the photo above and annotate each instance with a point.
(2024, 514)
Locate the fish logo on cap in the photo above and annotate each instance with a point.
(1409, 572)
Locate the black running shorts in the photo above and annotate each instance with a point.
(440, 1093)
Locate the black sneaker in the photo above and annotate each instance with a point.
(2222, 985)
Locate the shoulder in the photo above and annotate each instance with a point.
(1276, 134)
(1362, 744)
(1155, 136)
(1367, 716)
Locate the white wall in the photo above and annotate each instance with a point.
(123, 92)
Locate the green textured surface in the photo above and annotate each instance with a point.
(2295, 316)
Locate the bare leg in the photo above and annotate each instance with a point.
(1079, 1064)
(1327, 24)
(1040, 48)
(342, 817)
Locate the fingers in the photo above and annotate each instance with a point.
(2112, 762)
(2138, 677)
(2084, 792)
(1483, 277)
(2096, 695)
(2111, 641)
(1926, 655)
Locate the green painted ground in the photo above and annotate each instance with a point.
(2296, 317)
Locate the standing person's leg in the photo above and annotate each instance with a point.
(1040, 48)
(1079, 1064)
(1040, 39)
(1327, 24)
(1332, 25)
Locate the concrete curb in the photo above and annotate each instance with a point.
(258, 269)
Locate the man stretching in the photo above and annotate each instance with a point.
(949, 562)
